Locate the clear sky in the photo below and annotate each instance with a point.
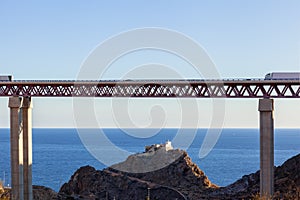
(245, 39)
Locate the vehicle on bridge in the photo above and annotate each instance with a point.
(283, 76)
(6, 78)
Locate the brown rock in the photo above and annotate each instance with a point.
(182, 174)
(287, 183)
(180, 179)
(88, 183)
(42, 193)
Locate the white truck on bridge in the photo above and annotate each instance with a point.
(283, 76)
(6, 78)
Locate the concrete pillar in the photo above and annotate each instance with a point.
(27, 147)
(16, 148)
(266, 108)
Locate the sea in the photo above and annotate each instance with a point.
(58, 153)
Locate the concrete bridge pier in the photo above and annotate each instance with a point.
(21, 147)
(266, 108)
(27, 147)
(16, 147)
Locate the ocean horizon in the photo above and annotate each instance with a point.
(59, 152)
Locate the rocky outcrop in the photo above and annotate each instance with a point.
(287, 179)
(183, 174)
(154, 158)
(181, 179)
(42, 193)
(286, 183)
(88, 183)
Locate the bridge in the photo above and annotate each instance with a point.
(235, 88)
(20, 93)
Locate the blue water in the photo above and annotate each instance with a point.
(57, 153)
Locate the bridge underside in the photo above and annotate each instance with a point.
(21, 147)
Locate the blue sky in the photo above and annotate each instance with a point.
(51, 39)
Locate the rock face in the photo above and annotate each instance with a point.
(154, 158)
(88, 183)
(180, 179)
(182, 174)
(286, 183)
(42, 193)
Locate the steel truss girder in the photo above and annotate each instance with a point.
(155, 88)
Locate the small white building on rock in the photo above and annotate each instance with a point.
(167, 146)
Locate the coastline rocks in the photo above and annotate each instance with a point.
(89, 183)
(286, 183)
(42, 193)
(181, 178)
(182, 174)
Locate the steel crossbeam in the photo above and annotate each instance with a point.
(155, 88)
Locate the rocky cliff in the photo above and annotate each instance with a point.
(43, 193)
(286, 183)
(88, 183)
(181, 179)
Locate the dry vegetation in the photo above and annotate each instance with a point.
(277, 196)
(3, 193)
